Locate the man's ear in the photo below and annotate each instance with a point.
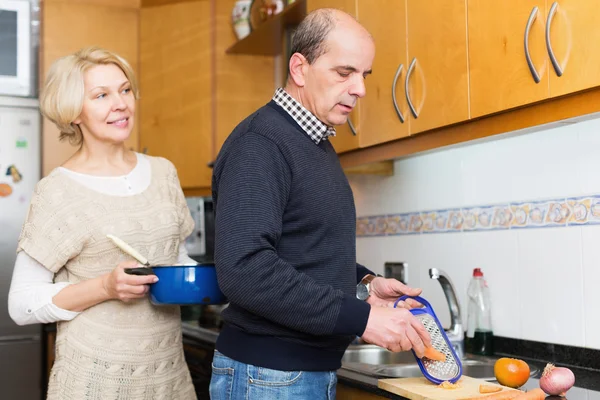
(298, 66)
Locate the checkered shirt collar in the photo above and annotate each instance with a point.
(313, 127)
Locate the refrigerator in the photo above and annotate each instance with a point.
(20, 169)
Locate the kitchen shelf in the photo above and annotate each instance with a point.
(267, 39)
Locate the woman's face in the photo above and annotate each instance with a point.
(108, 105)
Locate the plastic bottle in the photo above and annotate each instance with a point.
(480, 336)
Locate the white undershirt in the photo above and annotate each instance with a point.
(32, 287)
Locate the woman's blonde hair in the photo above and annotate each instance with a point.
(61, 99)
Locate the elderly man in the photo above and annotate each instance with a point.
(286, 232)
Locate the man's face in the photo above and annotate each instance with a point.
(335, 81)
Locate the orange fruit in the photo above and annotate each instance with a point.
(511, 372)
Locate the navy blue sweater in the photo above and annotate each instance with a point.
(285, 247)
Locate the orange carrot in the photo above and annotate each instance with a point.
(534, 394)
(489, 388)
(434, 355)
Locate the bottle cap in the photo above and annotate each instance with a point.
(477, 272)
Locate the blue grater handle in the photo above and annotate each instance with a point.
(427, 309)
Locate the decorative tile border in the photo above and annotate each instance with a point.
(535, 214)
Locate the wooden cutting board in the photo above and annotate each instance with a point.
(422, 389)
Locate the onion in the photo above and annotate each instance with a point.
(556, 381)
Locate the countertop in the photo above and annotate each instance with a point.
(587, 382)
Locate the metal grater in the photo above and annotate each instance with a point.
(435, 371)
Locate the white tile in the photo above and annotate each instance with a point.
(444, 252)
(496, 252)
(531, 166)
(484, 170)
(441, 178)
(376, 195)
(374, 252)
(551, 285)
(588, 150)
(591, 279)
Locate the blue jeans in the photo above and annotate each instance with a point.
(232, 380)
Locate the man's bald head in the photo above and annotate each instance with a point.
(311, 35)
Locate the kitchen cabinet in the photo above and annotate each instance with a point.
(522, 52)
(384, 110)
(574, 33)
(106, 23)
(175, 88)
(193, 93)
(347, 136)
(243, 83)
(437, 76)
(503, 74)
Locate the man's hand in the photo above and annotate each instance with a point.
(384, 292)
(396, 329)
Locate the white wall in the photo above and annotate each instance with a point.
(545, 281)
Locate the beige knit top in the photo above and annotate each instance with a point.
(113, 350)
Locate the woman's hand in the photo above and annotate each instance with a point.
(122, 286)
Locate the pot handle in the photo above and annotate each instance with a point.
(139, 271)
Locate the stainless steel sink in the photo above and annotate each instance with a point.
(379, 362)
(369, 354)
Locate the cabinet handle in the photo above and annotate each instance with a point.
(351, 126)
(534, 73)
(398, 72)
(408, 74)
(555, 64)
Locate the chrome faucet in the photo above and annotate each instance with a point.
(455, 333)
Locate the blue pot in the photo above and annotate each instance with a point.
(186, 284)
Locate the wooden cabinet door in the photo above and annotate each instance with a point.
(380, 119)
(500, 75)
(243, 83)
(175, 88)
(574, 28)
(66, 27)
(347, 135)
(437, 51)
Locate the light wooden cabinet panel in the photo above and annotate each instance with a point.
(67, 27)
(243, 83)
(500, 76)
(175, 81)
(574, 27)
(348, 6)
(380, 121)
(109, 3)
(437, 50)
(347, 135)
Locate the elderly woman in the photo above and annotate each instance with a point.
(112, 343)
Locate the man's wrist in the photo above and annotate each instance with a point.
(363, 289)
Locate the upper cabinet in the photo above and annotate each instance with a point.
(193, 93)
(437, 77)
(175, 88)
(525, 51)
(572, 37)
(347, 136)
(243, 83)
(507, 54)
(384, 110)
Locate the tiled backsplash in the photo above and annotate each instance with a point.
(535, 214)
(466, 207)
